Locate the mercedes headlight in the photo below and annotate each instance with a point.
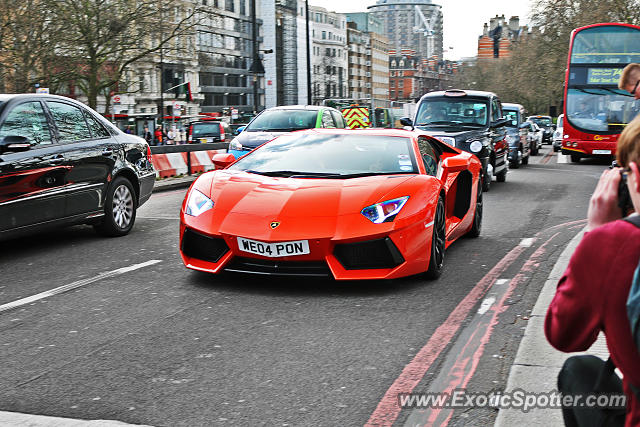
(235, 145)
(198, 203)
(384, 211)
(475, 146)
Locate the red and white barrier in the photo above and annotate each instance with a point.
(173, 164)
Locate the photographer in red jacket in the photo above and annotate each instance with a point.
(592, 294)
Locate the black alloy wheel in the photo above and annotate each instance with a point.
(436, 259)
(119, 209)
(476, 227)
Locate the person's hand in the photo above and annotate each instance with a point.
(603, 206)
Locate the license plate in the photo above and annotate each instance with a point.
(601, 151)
(203, 140)
(274, 250)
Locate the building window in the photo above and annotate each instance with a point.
(243, 7)
(229, 5)
(324, 35)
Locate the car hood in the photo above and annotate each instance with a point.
(246, 204)
(255, 139)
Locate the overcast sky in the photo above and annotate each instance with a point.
(463, 19)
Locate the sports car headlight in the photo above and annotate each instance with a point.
(475, 146)
(198, 203)
(384, 211)
(235, 145)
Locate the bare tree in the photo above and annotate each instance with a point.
(534, 74)
(98, 40)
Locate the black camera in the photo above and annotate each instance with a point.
(624, 198)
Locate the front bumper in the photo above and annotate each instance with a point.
(390, 255)
(514, 155)
(589, 148)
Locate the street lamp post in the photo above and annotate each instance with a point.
(306, 9)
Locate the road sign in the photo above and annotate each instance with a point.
(234, 113)
(115, 99)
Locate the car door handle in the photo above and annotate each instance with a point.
(56, 160)
(107, 152)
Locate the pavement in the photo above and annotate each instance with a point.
(174, 183)
(536, 365)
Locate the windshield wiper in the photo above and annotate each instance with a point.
(295, 174)
(473, 125)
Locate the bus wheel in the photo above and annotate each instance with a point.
(575, 158)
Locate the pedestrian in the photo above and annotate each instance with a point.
(128, 130)
(157, 135)
(147, 135)
(592, 293)
(171, 136)
(630, 79)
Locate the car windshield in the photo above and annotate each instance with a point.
(512, 118)
(283, 121)
(331, 156)
(541, 121)
(450, 111)
(200, 129)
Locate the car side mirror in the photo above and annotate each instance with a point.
(406, 121)
(14, 143)
(498, 123)
(223, 160)
(523, 126)
(455, 164)
(240, 129)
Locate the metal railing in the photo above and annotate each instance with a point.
(188, 148)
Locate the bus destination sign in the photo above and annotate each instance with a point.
(603, 76)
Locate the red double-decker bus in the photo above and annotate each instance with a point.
(595, 110)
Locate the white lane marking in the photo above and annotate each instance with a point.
(429, 224)
(563, 158)
(527, 242)
(501, 281)
(74, 285)
(486, 305)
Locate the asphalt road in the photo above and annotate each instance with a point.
(162, 345)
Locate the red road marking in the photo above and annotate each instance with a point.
(546, 158)
(388, 409)
(460, 380)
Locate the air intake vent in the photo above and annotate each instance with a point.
(199, 246)
(372, 254)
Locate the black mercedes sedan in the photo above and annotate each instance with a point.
(61, 163)
(469, 120)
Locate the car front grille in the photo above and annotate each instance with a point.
(372, 254)
(278, 268)
(199, 246)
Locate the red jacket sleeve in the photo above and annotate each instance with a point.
(574, 318)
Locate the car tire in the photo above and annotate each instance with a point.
(534, 150)
(119, 209)
(514, 165)
(575, 158)
(502, 176)
(486, 182)
(436, 258)
(555, 149)
(476, 226)
(525, 160)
